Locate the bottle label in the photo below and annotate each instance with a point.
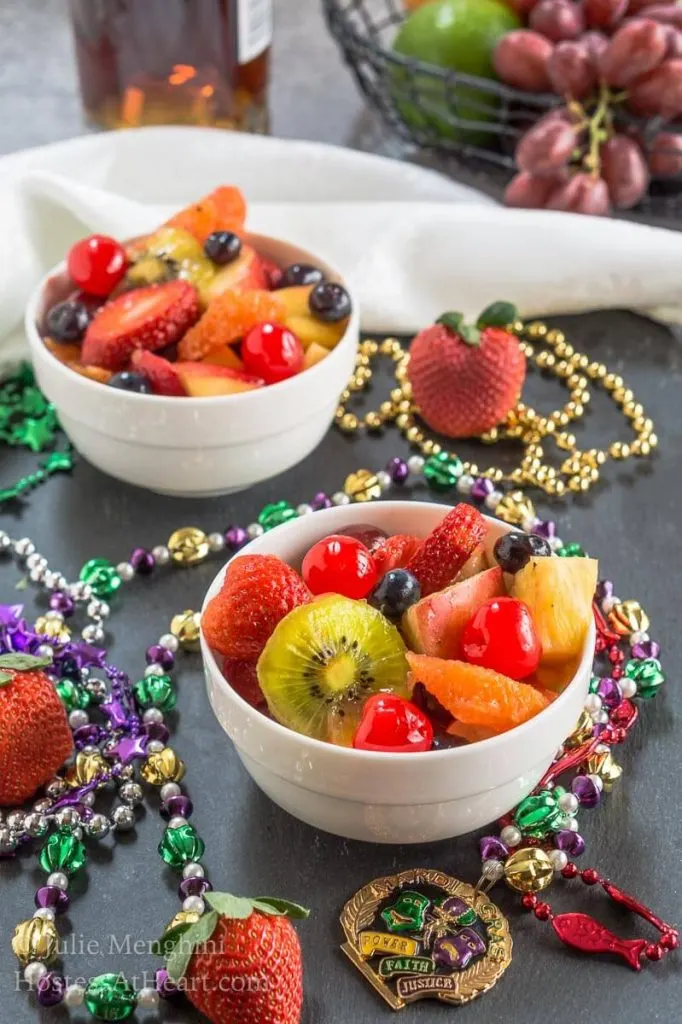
(254, 28)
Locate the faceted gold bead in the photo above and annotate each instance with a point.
(389, 347)
(345, 395)
(186, 627)
(623, 395)
(414, 435)
(561, 418)
(490, 436)
(431, 447)
(580, 361)
(404, 406)
(86, 768)
(641, 447)
(387, 410)
(188, 545)
(407, 390)
(582, 732)
(516, 327)
(471, 468)
(565, 440)
(602, 763)
(361, 359)
(403, 421)
(596, 371)
(35, 939)
(576, 380)
(613, 381)
(370, 348)
(374, 421)
(536, 330)
(619, 450)
(355, 385)
(555, 336)
(401, 372)
(628, 617)
(349, 422)
(515, 507)
(526, 349)
(364, 374)
(564, 350)
(182, 917)
(396, 395)
(161, 767)
(52, 628)
(528, 870)
(362, 485)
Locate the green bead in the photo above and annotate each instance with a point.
(180, 845)
(275, 514)
(442, 471)
(110, 997)
(648, 676)
(156, 692)
(63, 851)
(537, 815)
(72, 695)
(102, 577)
(571, 551)
(594, 684)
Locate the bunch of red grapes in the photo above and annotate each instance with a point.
(600, 56)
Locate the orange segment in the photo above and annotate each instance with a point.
(228, 318)
(65, 353)
(95, 373)
(477, 696)
(224, 209)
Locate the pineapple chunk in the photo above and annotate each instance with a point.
(559, 593)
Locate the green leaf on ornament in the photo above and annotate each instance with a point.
(24, 662)
(498, 314)
(452, 320)
(280, 908)
(5, 678)
(177, 962)
(169, 940)
(230, 906)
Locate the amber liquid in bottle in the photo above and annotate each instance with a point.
(197, 62)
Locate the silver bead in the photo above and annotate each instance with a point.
(168, 791)
(510, 835)
(254, 530)
(152, 716)
(78, 718)
(42, 805)
(88, 798)
(36, 825)
(415, 464)
(24, 547)
(593, 704)
(125, 571)
(177, 821)
(44, 914)
(123, 818)
(596, 781)
(7, 841)
(465, 483)
(340, 498)
(493, 499)
(194, 905)
(33, 972)
(131, 793)
(93, 634)
(37, 575)
(35, 560)
(147, 998)
(16, 821)
(638, 637)
(74, 995)
(54, 616)
(559, 859)
(45, 651)
(528, 525)
(97, 689)
(161, 554)
(50, 580)
(216, 542)
(609, 603)
(127, 772)
(170, 642)
(628, 687)
(155, 747)
(602, 718)
(67, 817)
(97, 827)
(56, 787)
(384, 479)
(193, 870)
(555, 543)
(90, 748)
(97, 609)
(304, 509)
(572, 825)
(560, 751)
(154, 669)
(5, 542)
(569, 803)
(58, 880)
(80, 591)
(492, 870)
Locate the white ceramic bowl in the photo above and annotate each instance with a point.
(388, 798)
(195, 447)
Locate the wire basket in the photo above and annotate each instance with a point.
(458, 120)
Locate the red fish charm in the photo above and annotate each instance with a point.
(584, 933)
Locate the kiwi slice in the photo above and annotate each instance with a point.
(322, 662)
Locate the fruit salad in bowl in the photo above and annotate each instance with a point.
(401, 674)
(197, 359)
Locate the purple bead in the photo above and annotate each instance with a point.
(492, 848)
(88, 735)
(647, 649)
(164, 986)
(116, 713)
(545, 528)
(610, 693)
(320, 501)
(571, 843)
(142, 561)
(481, 488)
(398, 469)
(604, 590)
(52, 897)
(236, 537)
(585, 789)
(177, 805)
(156, 731)
(51, 989)
(60, 602)
(193, 887)
(156, 654)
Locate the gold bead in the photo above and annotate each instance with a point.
(188, 546)
(186, 627)
(633, 410)
(401, 372)
(581, 396)
(387, 410)
(396, 395)
(559, 488)
(580, 361)
(642, 424)
(370, 348)
(516, 327)
(526, 349)
(640, 447)
(545, 360)
(490, 436)
(182, 917)
(575, 410)
(536, 329)
(362, 485)
(582, 731)
(603, 764)
(528, 870)
(653, 440)
(515, 507)
(577, 484)
(565, 440)
(563, 349)
(622, 395)
(560, 418)
(414, 435)
(613, 381)
(355, 385)
(619, 450)
(471, 468)
(570, 465)
(386, 347)
(52, 628)
(345, 395)
(86, 768)
(162, 767)
(361, 359)
(35, 939)
(373, 421)
(349, 422)
(596, 371)
(576, 380)
(404, 406)
(403, 421)
(364, 374)
(407, 390)
(628, 617)
(589, 474)
(431, 447)
(563, 369)
(555, 336)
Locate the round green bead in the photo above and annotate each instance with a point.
(72, 695)
(275, 514)
(156, 692)
(594, 683)
(648, 676)
(110, 997)
(571, 551)
(442, 471)
(63, 851)
(180, 845)
(102, 577)
(537, 815)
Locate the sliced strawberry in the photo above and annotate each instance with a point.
(148, 318)
(161, 374)
(272, 271)
(447, 548)
(395, 552)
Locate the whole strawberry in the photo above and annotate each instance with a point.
(35, 738)
(240, 963)
(465, 379)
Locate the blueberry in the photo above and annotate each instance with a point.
(514, 550)
(300, 273)
(223, 247)
(395, 592)
(329, 301)
(130, 380)
(67, 321)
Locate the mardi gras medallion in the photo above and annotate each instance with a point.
(425, 935)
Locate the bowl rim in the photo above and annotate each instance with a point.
(491, 745)
(36, 340)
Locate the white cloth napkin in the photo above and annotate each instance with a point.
(412, 243)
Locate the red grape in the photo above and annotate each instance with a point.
(674, 38)
(571, 70)
(583, 193)
(520, 59)
(658, 91)
(604, 13)
(547, 146)
(595, 43)
(530, 191)
(665, 155)
(624, 170)
(636, 48)
(667, 14)
(557, 19)
(524, 7)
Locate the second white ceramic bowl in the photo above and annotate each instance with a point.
(388, 798)
(195, 447)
